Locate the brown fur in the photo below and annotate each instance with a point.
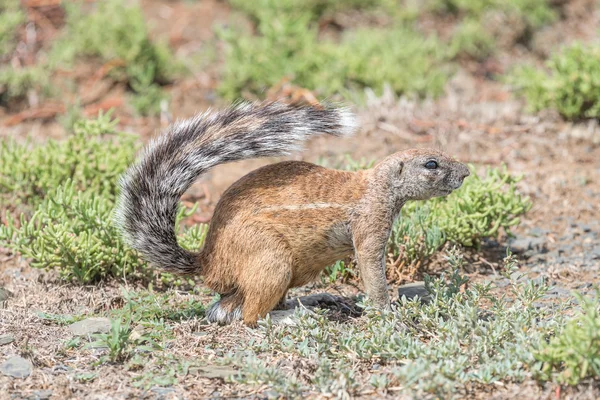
(279, 226)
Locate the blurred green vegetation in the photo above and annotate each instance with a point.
(287, 42)
(402, 43)
(11, 17)
(573, 354)
(408, 61)
(570, 83)
(481, 23)
(67, 191)
(472, 39)
(116, 34)
(113, 33)
(15, 83)
(534, 13)
(287, 45)
(313, 9)
(92, 157)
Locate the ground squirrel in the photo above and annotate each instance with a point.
(279, 226)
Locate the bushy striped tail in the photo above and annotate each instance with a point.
(152, 187)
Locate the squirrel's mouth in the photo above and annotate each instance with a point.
(457, 185)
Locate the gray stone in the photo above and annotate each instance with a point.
(4, 294)
(502, 282)
(216, 371)
(89, 326)
(522, 244)
(585, 227)
(565, 248)
(307, 303)
(594, 253)
(60, 368)
(558, 292)
(272, 394)
(40, 395)
(565, 260)
(412, 290)
(162, 391)
(6, 339)
(283, 317)
(537, 232)
(537, 268)
(586, 285)
(136, 333)
(16, 367)
(105, 396)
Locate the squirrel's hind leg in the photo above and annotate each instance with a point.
(267, 285)
(226, 310)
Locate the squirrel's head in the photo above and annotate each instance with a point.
(421, 174)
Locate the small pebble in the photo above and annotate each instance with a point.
(6, 339)
(89, 326)
(16, 367)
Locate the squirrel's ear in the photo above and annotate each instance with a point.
(390, 167)
(400, 166)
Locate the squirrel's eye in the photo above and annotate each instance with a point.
(431, 165)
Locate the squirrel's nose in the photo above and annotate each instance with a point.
(466, 172)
